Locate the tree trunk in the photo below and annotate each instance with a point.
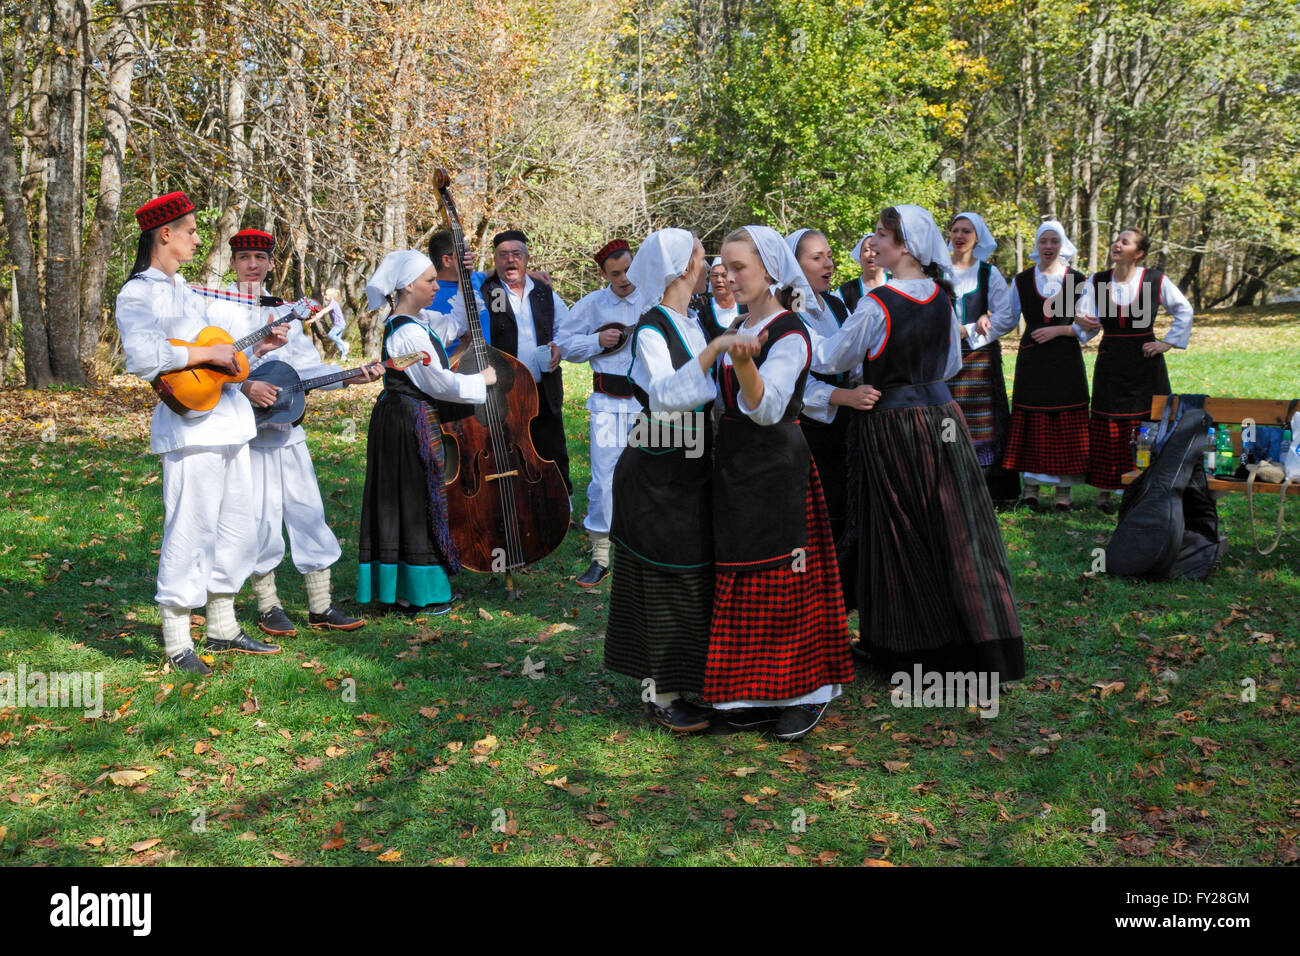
(119, 53)
(218, 259)
(63, 204)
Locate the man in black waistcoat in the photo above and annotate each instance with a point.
(523, 316)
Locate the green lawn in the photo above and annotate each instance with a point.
(414, 743)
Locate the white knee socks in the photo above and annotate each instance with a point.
(175, 629)
(600, 549)
(318, 590)
(222, 623)
(264, 591)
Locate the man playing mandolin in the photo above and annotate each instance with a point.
(597, 331)
(285, 491)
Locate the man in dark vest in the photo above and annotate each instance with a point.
(523, 316)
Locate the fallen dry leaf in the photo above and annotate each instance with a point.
(144, 845)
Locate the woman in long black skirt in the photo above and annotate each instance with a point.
(933, 580)
(406, 553)
(661, 593)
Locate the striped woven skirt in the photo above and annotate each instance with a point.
(781, 632)
(934, 586)
(658, 625)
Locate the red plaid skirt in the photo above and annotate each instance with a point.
(1048, 443)
(1110, 453)
(781, 633)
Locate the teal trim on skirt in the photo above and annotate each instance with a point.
(417, 584)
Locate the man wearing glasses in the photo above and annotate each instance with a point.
(523, 316)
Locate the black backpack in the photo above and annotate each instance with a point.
(1168, 523)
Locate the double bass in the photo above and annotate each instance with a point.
(507, 506)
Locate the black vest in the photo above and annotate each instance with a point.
(976, 302)
(709, 323)
(1049, 376)
(505, 330)
(760, 473)
(851, 293)
(1124, 380)
(663, 479)
(915, 350)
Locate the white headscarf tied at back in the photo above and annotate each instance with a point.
(856, 254)
(398, 270)
(716, 262)
(662, 257)
(792, 240)
(781, 265)
(922, 238)
(1068, 249)
(985, 244)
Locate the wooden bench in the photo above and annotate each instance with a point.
(1232, 411)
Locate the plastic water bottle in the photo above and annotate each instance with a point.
(1142, 451)
(1227, 461)
(1210, 452)
(1291, 461)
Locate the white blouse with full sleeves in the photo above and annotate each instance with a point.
(786, 358)
(1048, 286)
(435, 379)
(1171, 297)
(669, 389)
(964, 282)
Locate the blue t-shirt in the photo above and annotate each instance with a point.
(447, 291)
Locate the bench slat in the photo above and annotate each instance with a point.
(1264, 411)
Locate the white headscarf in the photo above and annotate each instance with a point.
(1068, 249)
(792, 240)
(781, 265)
(398, 270)
(662, 257)
(985, 244)
(856, 254)
(922, 238)
(716, 262)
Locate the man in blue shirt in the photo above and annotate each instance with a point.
(442, 252)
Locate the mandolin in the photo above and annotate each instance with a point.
(198, 388)
(290, 403)
(624, 333)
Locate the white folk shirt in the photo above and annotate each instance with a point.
(151, 309)
(779, 372)
(1047, 286)
(822, 324)
(435, 379)
(579, 342)
(523, 312)
(298, 351)
(964, 281)
(866, 331)
(1175, 303)
(669, 389)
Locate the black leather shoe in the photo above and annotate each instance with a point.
(336, 620)
(191, 663)
(798, 721)
(240, 642)
(681, 716)
(592, 576)
(426, 610)
(752, 718)
(276, 623)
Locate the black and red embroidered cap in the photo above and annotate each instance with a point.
(254, 240)
(164, 209)
(613, 247)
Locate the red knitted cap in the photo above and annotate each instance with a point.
(164, 209)
(254, 239)
(610, 248)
